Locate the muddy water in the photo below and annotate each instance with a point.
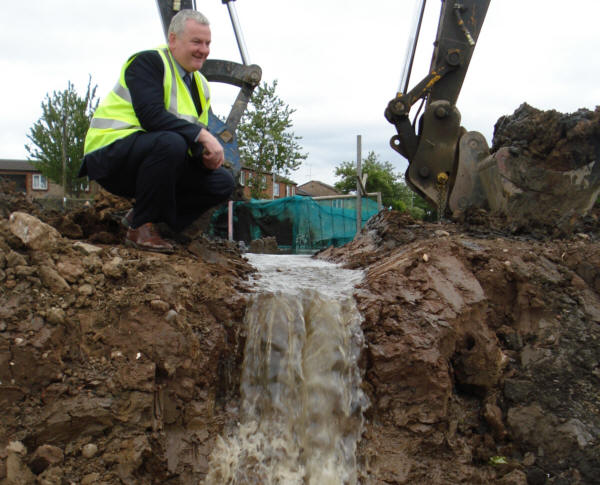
(301, 399)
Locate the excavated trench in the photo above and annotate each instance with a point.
(478, 345)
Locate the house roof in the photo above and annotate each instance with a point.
(278, 177)
(315, 188)
(17, 166)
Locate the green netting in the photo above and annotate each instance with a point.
(297, 223)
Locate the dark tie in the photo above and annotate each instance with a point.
(193, 91)
(188, 81)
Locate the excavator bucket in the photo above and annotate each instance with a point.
(510, 184)
(474, 160)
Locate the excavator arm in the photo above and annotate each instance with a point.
(432, 147)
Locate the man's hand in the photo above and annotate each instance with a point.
(212, 155)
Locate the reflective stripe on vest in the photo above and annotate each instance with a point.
(115, 117)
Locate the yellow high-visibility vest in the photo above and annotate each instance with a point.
(115, 117)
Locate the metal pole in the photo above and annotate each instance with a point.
(239, 37)
(230, 220)
(358, 188)
(64, 159)
(412, 47)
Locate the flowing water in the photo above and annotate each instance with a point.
(302, 402)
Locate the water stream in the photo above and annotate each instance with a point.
(302, 403)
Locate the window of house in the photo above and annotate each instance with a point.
(242, 178)
(275, 190)
(264, 180)
(39, 182)
(293, 190)
(288, 190)
(84, 186)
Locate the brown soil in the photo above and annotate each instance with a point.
(480, 349)
(128, 353)
(482, 356)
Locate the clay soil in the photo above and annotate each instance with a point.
(481, 362)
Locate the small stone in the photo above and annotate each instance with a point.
(171, 315)
(86, 248)
(45, 456)
(116, 354)
(33, 232)
(425, 257)
(56, 316)
(90, 479)
(89, 450)
(441, 233)
(114, 268)
(159, 305)
(17, 448)
(86, 290)
(529, 459)
(53, 280)
(17, 471)
(23, 271)
(493, 417)
(69, 271)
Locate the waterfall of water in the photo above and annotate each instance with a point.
(302, 402)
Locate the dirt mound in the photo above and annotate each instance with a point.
(555, 140)
(115, 365)
(483, 354)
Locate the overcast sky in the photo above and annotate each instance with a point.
(337, 63)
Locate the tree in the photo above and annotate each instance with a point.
(381, 178)
(266, 143)
(58, 136)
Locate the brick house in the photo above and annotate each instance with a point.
(282, 187)
(27, 178)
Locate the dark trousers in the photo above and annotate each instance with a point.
(167, 184)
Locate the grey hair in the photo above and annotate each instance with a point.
(178, 21)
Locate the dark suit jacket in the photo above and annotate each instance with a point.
(144, 78)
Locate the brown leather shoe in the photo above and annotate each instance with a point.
(146, 237)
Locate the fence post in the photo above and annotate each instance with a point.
(230, 220)
(63, 146)
(358, 184)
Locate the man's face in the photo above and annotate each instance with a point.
(191, 48)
